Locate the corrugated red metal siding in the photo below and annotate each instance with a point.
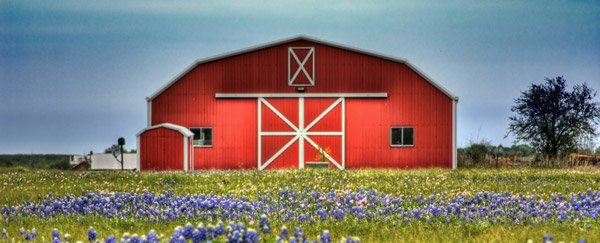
(411, 101)
(161, 149)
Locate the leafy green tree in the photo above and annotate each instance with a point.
(477, 151)
(553, 119)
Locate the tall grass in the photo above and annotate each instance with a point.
(17, 186)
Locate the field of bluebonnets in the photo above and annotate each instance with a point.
(301, 205)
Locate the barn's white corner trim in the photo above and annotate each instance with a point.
(138, 155)
(454, 149)
(258, 131)
(344, 133)
(185, 153)
(149, 114)
(192, 166)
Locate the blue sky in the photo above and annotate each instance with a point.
(74, 74)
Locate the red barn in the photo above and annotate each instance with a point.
(298, 103)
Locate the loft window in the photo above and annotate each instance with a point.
(402, 136)
(202, 136)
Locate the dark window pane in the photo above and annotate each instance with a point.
(407, 136)
(396, 136)
(207, 132)
(196, 132)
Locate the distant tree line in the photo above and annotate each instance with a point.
(36, 161)
(484, 154)
(45, 161)
(110, 149)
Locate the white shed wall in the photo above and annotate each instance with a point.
(108, 162)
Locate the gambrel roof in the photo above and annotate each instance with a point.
(309, 39)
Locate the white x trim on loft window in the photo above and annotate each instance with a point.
(308, 59)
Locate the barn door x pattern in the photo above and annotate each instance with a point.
(296, 131)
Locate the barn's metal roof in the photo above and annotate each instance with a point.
(184, 131)
(310, 39)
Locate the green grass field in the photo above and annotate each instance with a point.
(19, 186)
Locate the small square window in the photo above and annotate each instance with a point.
(402, 136)
(202, 136)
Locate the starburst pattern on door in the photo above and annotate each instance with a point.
(300, 133)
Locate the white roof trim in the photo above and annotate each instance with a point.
(306, 38)
(304, 95)
(184, 131)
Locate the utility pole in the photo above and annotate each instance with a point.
(121, 141)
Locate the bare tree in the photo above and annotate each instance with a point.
(552, 119)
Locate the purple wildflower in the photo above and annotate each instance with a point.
(284, 233)
(196, 236)
(110, 239)
(125, 237)
(55, 235)
(177, 234)
(219, 229)
(234, 237)
(92, 235)
(322, 214)
(33, 233)
(352, 240)
(299, 235)
(210, 232)
(188, 230)
(202, 233)
(264, 225)
(152, 237)
(135, 239)
(325, 237)
(251, 236)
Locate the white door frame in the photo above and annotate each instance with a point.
(302, 133)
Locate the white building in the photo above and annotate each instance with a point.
(77, 159)
(107, 161)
